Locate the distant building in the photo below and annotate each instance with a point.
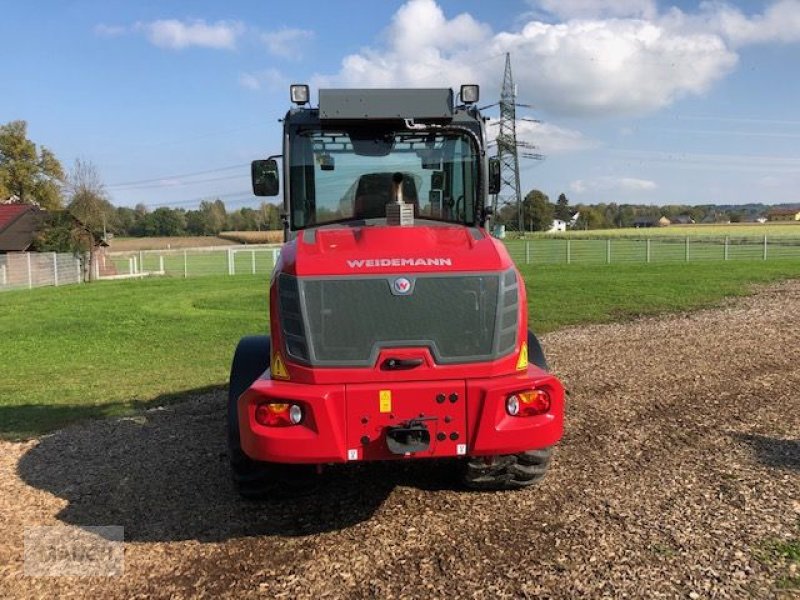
(754, 219)
(716, 217)
(561, 225)
(682, 220)
(784, 214)
(651, 222)
(18, 226)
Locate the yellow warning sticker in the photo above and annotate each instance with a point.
(522, 361)
(278, 368)
(385, 398)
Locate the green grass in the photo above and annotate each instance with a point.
(782, 553)
(113, 347)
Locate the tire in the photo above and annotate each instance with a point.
(535, 352)
(257, 480)
(507, 472)
(250, 361)
(511, 471)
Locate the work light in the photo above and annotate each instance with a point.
(298, 93)
(470, 93)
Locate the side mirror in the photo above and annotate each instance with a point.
(494, 175)
(264, 174)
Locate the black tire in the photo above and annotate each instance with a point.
(507, 472)
(250, 361)
(257, 480)
(511, 471)
(535, 352)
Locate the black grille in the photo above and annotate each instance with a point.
(346, 321)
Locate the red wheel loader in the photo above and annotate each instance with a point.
(398, 325)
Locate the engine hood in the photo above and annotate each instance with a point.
(376, 250)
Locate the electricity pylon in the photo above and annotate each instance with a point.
(509, 149)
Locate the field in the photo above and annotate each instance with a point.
(752, 230)
(125, 244)
(112, 347)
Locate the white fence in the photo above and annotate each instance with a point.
(191, 262)
(26, 270)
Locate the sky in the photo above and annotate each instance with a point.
(639, 101)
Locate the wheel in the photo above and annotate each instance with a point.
(511, 471)
(249, 363)
(507, 472)
(535, 352)
(257, 480)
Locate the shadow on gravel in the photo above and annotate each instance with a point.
(163, 476)
(773, 452)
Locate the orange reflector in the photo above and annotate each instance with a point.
(522, 361)
(277, 369)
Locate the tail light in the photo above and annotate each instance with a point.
(278, 414)
(528, 403)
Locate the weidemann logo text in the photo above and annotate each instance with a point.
(399, 262)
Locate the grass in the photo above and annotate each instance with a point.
(782, 553)
(111, 348)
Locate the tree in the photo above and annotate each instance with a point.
(165, 222)
(538, 211)
(90, 209)
(563, 211)
(215, 217)
(34, 175)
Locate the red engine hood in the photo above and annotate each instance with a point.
(385, 249)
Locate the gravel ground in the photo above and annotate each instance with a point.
(679, 470)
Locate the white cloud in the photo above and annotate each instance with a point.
(569, 9)
(103, 30)
(287, 43)
(612, 184)
(551, 139)
(780, 22)
(621, 59)
(176, 35)
(271, 79)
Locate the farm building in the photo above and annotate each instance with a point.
(561, 225)
(18, 226)
(651, 222)
(682, 220)
(784, 214)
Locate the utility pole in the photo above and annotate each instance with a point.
(508, 147)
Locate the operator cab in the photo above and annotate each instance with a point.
(364, 156)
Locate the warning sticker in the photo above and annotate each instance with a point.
(385, 398)
(522, 361)
(278, 368)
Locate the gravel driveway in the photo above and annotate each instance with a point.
(679, 471)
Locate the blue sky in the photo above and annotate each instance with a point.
(640, 101)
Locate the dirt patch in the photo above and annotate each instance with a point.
(680, 461)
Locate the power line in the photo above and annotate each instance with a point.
(165, 177)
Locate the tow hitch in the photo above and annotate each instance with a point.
(410, 436)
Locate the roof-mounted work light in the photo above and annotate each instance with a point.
(298, 93)
(470, 93)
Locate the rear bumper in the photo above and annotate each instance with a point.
(328, 433)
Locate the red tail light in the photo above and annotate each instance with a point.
(528, 403)
(278, 414)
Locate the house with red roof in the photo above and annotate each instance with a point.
(18, 226)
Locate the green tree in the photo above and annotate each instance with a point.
(165, 222)
(215, 218)
(33, 174)
(563, 210)
(537, 211)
